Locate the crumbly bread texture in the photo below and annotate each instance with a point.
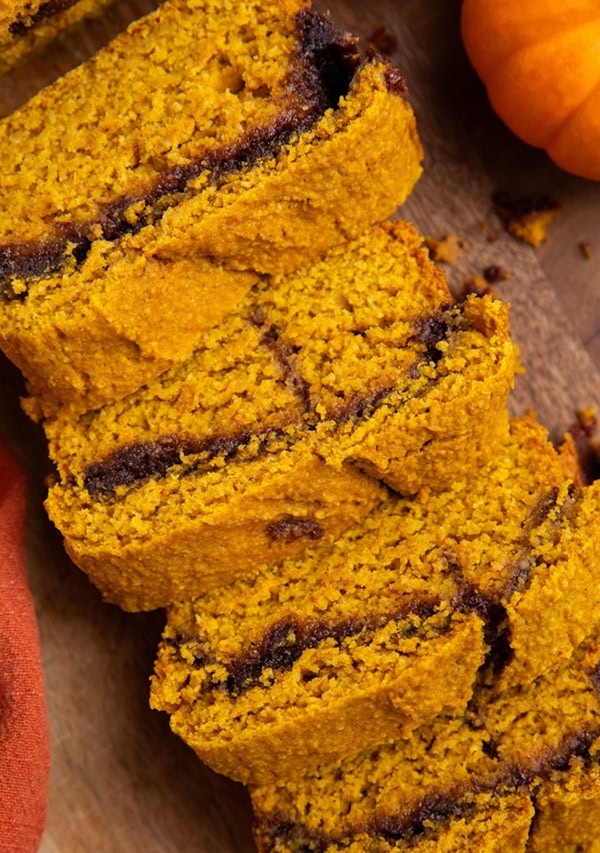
(28, 25)
(568, 808)
(145, 190)
(257, 445)
(267, 676)
(539, 741)
(312, 687)
(490, 824)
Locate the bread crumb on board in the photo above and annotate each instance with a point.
(527, 217)
(446, 250)
(494, 273)
(586, 249)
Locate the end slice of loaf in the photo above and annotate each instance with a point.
(145, 190)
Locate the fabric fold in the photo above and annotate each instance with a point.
(24, 735)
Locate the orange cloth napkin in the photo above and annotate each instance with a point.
(24, 739)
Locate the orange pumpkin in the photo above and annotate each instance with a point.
(540, 63)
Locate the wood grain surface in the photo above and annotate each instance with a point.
(120, 782)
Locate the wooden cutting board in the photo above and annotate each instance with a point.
(120, 782)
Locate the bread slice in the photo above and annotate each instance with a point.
(454, 779)
(147, 188)
(264, 440)
(352, 644)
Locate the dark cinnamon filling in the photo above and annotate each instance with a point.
(360, 405)
(137, 462)
(440, 808)
(290, 528)
(496, 628)
(25, 23)
(548, 506)
(283, 354)
(432, 329)
(433, 808)
(286, 641)
(543, 508)
(134, 464)
(26, 260)
(491, 608)
(319, 76)
(547, 511)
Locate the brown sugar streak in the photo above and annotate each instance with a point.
(439, 808)
(22, 25)
(319, 76)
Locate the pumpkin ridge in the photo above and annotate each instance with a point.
(574, 112)
(502, 90)
(540, 42)
(585, 160)
(509, 49)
